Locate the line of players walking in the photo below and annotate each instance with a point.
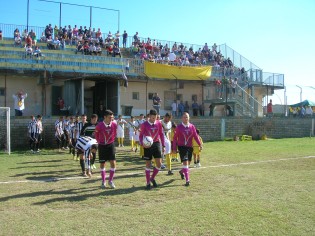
(85, 138)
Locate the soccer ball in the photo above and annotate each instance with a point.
(147, 141)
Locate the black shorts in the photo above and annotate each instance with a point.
(106, 152)
(185, 153)
(153, 151)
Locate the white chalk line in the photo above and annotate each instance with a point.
(142, 172)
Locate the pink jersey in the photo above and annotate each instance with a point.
(184, 135)
(106, 134)
(155, 131)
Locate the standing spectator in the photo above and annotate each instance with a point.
(174, 108)
(1, 35)
(105, 134)
(19, 106)
(181, 109)
(269, 109)
(156, 102)
(234, 85)
(154, 129)
(309, 111)
(302, 112)
(127, 66)
(202, 109)
(125, 36)
(136, 38)
(184, 134)
(186, 107)
(195, 108)
(211, 107)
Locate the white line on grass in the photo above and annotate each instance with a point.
(136, 173)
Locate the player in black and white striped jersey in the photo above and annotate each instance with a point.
(31, 133)
(59, 134)
(78, 128)
(89, 130)
(86, 146)
(72, 140)
(66, 128)
(38, 132)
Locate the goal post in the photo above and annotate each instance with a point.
(5, 130)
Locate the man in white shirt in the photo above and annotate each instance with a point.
(19, 103)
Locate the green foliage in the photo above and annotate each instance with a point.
(242, 188)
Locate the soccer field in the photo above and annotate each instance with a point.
(242, 188)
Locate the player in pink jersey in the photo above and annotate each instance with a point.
(152, 127)
(184, 134)
(105, 134)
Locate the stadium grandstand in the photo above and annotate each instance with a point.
(89, 69)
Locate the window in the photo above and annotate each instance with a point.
(2, 91)
(150, 96)
(180, 84)
(194, 98)
(179, 97)
(135, 95)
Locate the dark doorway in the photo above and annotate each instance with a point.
(56, 92)
(105, 93)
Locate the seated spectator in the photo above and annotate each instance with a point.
(172, 56)
(110, 50)
(24, 34)
(16, 33)
(92, 49)
(28, 51)
(43, 38)
(101, 42)
(50, 43)
(18, 41)
(86, 48)
(33, 36)
(116, 51)
(37, 52)
(98, 50)
(28, 41)
(79, 48)
(56, 43)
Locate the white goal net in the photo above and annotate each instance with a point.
(5, 128)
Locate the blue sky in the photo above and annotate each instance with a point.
(278, 36)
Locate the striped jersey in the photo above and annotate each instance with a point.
(32, 127)
(84, 144)
(88, 130)
(59, 128)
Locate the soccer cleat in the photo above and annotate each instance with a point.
(198, 164)
(195, 165)
(89, 174)
(170, 172)
(111, 185)
(84, 174)
(154, 183)
(187, 183)
(103, 185)
(93, 167)
(77, 158)
(181, 175)
(163, 167)
(148, 187)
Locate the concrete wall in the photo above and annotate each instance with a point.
(213, 129)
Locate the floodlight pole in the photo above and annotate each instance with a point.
(300, 92)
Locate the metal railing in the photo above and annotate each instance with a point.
(247, 105)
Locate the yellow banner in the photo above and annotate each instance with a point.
(163, 71)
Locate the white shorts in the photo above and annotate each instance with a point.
(167, 146)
